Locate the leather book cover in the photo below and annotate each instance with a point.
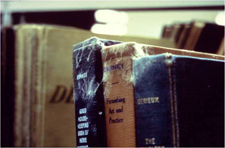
(179, 101)
(88, 92)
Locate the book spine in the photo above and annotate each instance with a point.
(19, 66)
(8, 87)
(90, 117)
(119, 102)
(154, 104)
(40, 88)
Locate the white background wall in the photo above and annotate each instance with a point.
(150, 24)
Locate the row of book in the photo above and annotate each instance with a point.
(134, 95)
(37, 107)
(196, 35)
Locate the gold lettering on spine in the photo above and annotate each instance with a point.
(150, 141)
(149, 100)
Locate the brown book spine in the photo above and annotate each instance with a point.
(193, 37)
(221, 48)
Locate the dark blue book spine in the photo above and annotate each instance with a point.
(85, 97)
(179, 101)
(154, 106)
(199, 89)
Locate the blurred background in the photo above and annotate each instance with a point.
(135, 18)
(37, 37)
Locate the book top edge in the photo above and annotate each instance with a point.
(135, 50)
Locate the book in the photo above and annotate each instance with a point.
(179, 101)
(37, 67)
(7, 81)
(85, 55)
(89, 100)
(210, 39)
(183, 36)
(203, 37)
(23, 84)
(119, 90)
(221, 48)
(167, 31)
(176, 32)
(195, 32)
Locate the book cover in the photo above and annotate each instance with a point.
(7, 81)
(41, 78)
(183, 36)
(119, 90)
(210, 38)
(195, 31)
(88, 92)
(179, 101)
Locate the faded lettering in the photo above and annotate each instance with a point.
(113, 67)
(81, 76)
(149, 100)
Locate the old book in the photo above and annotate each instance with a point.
(26, 112)
(7, 81)
(89, 101)
(176, 33)
(59, 100)
(119, 90)
(167, 31)
(179, 101)
(42, 78)
(221, 48)
(183, 36)
(22, 87)
(195, 31)
(204, 37)
(90, 114)
(210, 39)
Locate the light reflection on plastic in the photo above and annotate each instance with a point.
(220, 20)
(109, 29)
(111, 16)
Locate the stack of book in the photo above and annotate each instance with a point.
(134, 95)
(196, 35)
(37, 104)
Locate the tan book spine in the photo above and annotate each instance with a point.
(19, 64)
(36, 89)
(221, 48)
(40, 88)
(119, 100)
(119, 93)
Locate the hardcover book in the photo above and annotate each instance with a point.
(37, 99)
(179, 101)
(119, 90)
(204, 37)
(89, 101)
(90, 130)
